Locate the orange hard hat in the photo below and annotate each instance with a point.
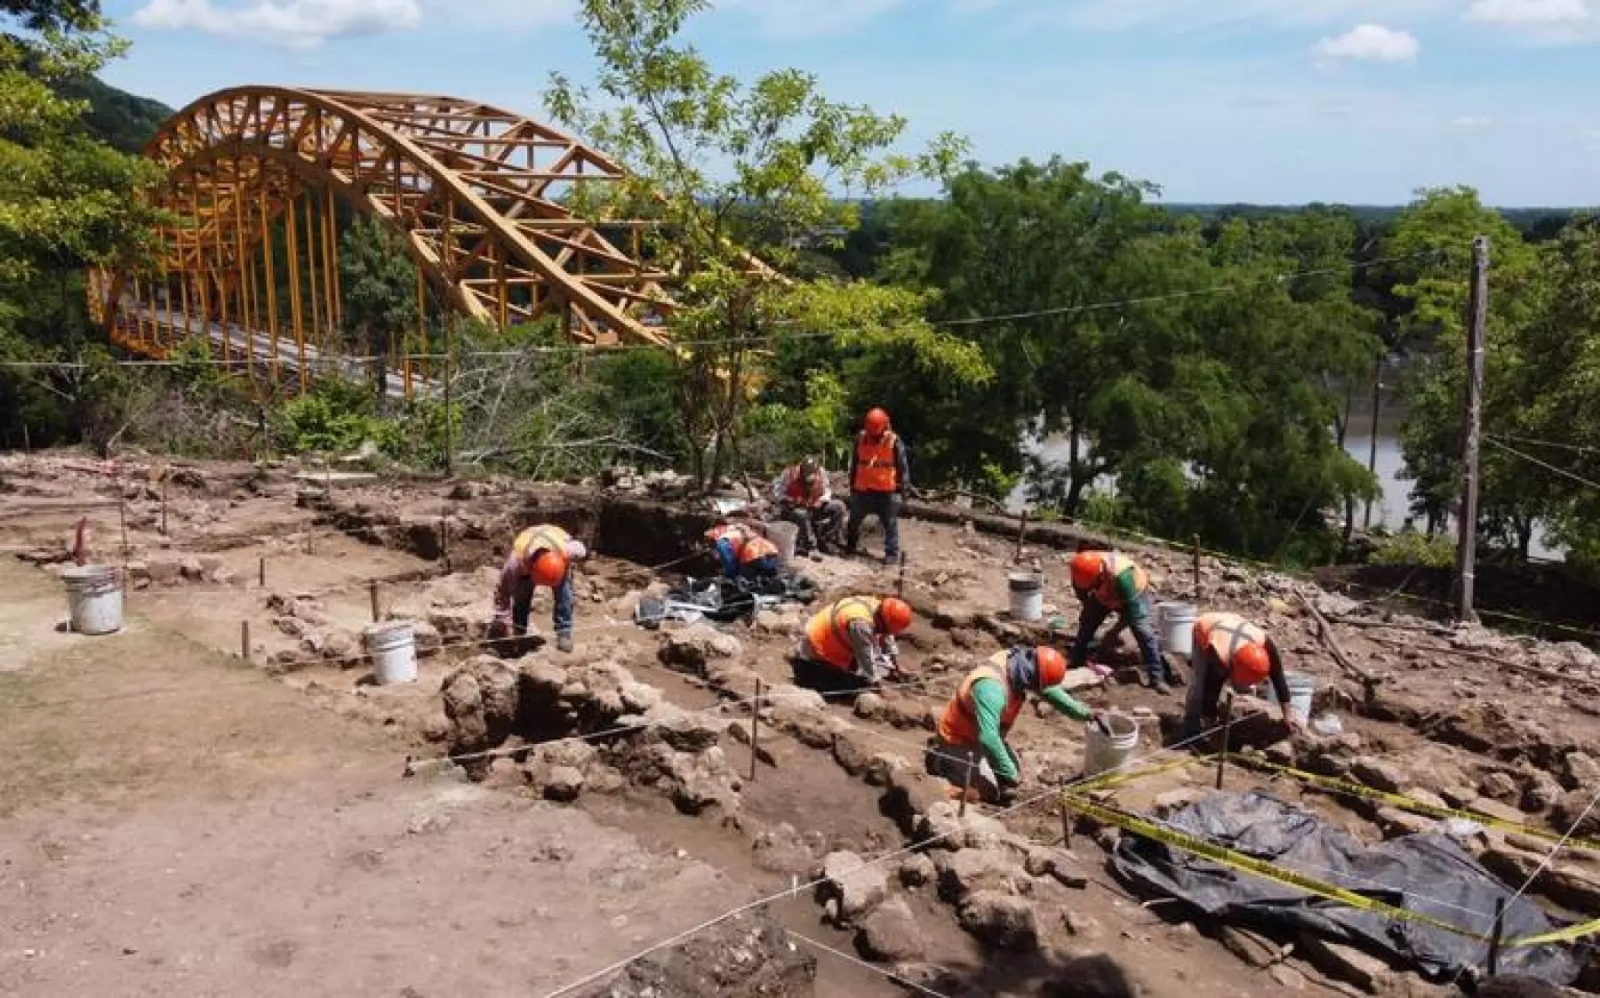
(894, 614)
(1052, 666)
(549, 568)
(1250, 665)
(877, 420)
(1086, 569)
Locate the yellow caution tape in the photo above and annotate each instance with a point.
(1259, 867)
(1407, 803)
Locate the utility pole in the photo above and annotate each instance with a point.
(1467, 515)
(1372, 450)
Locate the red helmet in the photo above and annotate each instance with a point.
(1052, 666)
(1086, 569)
(877, 421)
(894, 615)
(1250, 665)
(549, 568)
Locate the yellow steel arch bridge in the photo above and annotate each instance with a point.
(258, 179)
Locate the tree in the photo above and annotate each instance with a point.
(722, 166)
(378, 287)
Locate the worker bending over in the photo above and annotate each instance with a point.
(978, 718)
(850, 645)
(744, 553)
(879, 477)
(805, 500)
(540, 556)
(1230, 649)
(1107, 583)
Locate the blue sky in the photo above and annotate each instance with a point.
(1284, 101)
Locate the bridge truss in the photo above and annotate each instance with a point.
(259, 178)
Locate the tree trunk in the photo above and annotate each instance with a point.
(1075, 482)
(1524, 536)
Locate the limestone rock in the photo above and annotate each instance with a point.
(1571, 807)
(869, 706)
(917, 870)
(1580, 770)
(942, 827)
(564, 783)
(783, 850)
(1346, 963)
(1541, 791)
(1001, 920)
(480, 700)
(1379, 775)
(427, 637)
(890, 933)
(1501, 787)
(969, 871)
(690, 649)
(859, 887)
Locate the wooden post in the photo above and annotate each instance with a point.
(244, 640)
(1372, 446)
(1197, 594)
(1022, 534)
(261, 571)
(966, 785)
(1227, 726)
(372, 588)
(1494, 940)
(755, 728)
(900, 580)
(1466, 544)
(1066, 824)
(122, 517)
(163, 504)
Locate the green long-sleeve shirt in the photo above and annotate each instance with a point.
(989, 702)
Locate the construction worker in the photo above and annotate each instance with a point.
(1229, 649)
(744, 553)
(973, 728)
(541, 555)
(805, 500)
(879, 478)
(1107, 582)
(850, 646)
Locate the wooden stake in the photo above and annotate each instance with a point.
(1494, 940)
(1227, 726)
(163, 504)
(1467, 515)
(261, 571)
(1197, 595)
(755, 727)
(372, 589)
(966, 785)
(122, 516)
(900, 580)
(1066, 825)
(1022, 534)
(244, 640)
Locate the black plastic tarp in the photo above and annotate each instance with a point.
(1426, 873)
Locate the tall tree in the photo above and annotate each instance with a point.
(377, 283)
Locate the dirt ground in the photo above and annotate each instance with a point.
(177, 820)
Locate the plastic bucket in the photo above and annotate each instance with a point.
(393, 649)
(1027, 595)
(783, 536)
(94, 599)
(1302, 689)
(1104, 753)
(1176, 621)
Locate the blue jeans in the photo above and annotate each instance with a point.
(522, 603)
(1144, 631)
(764, 567)
(885, 507)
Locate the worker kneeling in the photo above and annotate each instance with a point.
(744, 553)
(540, 556)
(850, 646)
(1229, 649)
(976, 721)
(1108, 583)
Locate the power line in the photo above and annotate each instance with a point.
(1543, 464)
(1576, 448)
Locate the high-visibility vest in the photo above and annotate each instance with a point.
(1106, 591)
(544, 537)
(1225, 634)
(828, 630)
(959, 724)
(794, 487)
(876, 470)
(747, 544)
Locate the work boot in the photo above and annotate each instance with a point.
(1160, 686)
(564, 642)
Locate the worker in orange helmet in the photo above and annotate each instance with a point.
(1109, 583)
(541, 555)
(850, 645)
(879, 478)
(744, 552)
(973, 728)
(804, 499)
(1230, 650)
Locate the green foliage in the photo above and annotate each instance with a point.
(1412, 547)
(378, 283)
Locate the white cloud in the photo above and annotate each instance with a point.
(1530, 13)
(1371, 42)
(1188, 15)
(793, 19)
(296, 23)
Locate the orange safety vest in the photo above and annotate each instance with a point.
(1225, 634)
(794, 487)
(747, 544)
(544, 537)
(875, 466)
(959, 724)
(1106, 592)
(828, 631)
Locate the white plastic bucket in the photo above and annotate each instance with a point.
(94, 599)
(1302, 689)
(783, 535)
(1027, 595)
(1105, 753)
(393, 648)
(1176, 621)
